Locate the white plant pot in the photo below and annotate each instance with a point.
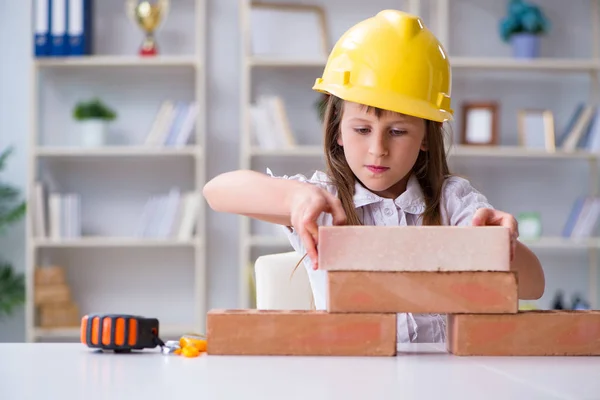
(93, 133)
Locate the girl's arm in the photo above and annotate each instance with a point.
(252, 194)
(529, 273)
(281, 201)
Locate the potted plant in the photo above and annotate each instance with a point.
(12, 208)
(523, 27)
(93, 117)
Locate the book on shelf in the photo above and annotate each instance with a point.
(583, 218)
(173, 124)
(582, 131)
(56, 215)
(62, 28)
(170, 215)
(269, 123)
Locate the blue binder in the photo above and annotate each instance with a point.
(58, 29)
(41, 27)
(79, 27)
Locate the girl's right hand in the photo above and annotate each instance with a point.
(306, 206)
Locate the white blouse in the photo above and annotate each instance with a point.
(459, 201)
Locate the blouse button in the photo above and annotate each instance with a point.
(387, 212)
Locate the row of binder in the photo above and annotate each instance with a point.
(62, 28)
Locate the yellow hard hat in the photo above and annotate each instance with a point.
(391, 61)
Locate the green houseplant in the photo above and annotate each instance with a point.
(523, 26)
(93, 117)
(12, 209)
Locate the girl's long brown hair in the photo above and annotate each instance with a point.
(430, 169)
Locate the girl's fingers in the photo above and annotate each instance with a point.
(309, 245)
(336, 210)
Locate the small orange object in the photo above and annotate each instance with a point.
(193, 341)
(190, 351)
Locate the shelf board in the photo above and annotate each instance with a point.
(283, 62)
(538, 64)
(99, 242)
(116, 61)
(171, 331)
(116, 151)
(489, 63)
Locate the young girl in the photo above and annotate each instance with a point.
(388, 86)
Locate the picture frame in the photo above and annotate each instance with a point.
(274, 31)
(536, 129)
(480, 123)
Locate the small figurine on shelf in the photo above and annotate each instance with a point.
(558, 303)
(93, 117)
(530, 225)
(579, 303)
(522, 27)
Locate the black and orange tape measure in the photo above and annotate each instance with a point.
(120, 332)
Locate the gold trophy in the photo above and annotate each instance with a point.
(148, 16)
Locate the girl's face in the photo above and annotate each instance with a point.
(381, 151)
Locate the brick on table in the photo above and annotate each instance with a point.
(302, 333)
(414, 248)
(422, 292)
(527, 333)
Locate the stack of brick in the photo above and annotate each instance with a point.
(376, 272)
(52, 296)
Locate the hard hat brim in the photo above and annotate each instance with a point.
(401, 104)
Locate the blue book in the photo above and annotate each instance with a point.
(574, 216)
(79, 27)
(41, 27)
(60, 44)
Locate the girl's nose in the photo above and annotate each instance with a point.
(378, 146)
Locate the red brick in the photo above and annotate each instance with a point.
(527, 333)
(414, 248)
(273, 332)
(422, 292)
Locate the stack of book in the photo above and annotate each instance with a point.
(270, 126)
(62, 28)
(57, 215)
(582, 131)
(171, 215)
(583, 219)
(173, 124)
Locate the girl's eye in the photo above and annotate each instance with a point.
(361, 130)
(398, 132)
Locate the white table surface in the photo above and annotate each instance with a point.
(73, 371)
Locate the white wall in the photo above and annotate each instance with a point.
(509, 185)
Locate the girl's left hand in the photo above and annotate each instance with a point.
(491, 217)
